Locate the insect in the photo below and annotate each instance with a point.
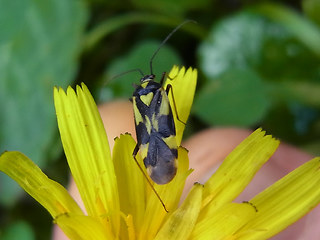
(155, 129)
(155, 126)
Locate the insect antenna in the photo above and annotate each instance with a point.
(166, 39)
(126, 72)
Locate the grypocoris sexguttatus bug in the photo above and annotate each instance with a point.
(155, 126)
(155, 130)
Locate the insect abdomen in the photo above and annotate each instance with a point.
(161, 161)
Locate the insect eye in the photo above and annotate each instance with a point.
(147, 78)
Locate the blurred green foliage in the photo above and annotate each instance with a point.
(258, 66)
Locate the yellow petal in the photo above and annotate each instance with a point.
(238, 169)
(224, 223)
(80, 227)
(183, 88)
(285, 202)
(87, 150)
(170, 194)
(181, 222)
(131, 182)
(50, 194)
(130, 229)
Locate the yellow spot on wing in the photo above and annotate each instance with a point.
(144, 150)
(144, 85)
(155, 122)
(148, 124)
(137, 115)
(164, 107)
(149, 170)
(171, 141)
(146, 99)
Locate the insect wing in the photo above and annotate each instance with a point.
(160, 161)
(155, 131)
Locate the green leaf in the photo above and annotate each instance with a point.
(17, 231)
(117, 22)
(300, 27)
(169, 7)
(39, 46)
(249, 41)
(273, 51)
(305, 92)
(238, 98)
(312, 10)
(138, 58)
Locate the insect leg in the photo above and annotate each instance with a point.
(163, 77)
(169, 86)
(134, 154)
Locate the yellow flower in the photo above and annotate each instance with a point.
(120, 205)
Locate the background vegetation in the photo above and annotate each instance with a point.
(258, 65)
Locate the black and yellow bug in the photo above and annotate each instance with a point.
(155, 129)
(155, 126)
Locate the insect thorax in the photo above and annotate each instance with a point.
(147, 86)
